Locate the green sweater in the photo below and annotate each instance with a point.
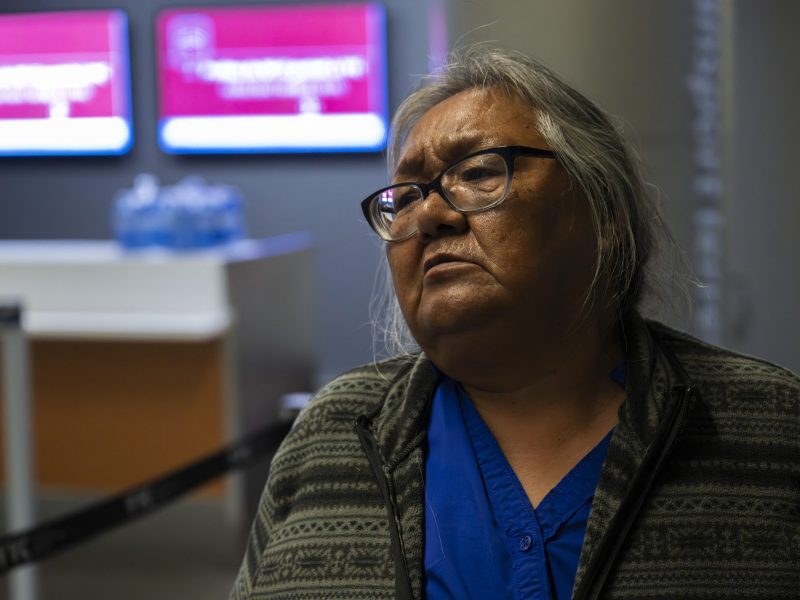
(699, 495)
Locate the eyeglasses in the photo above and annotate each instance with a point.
(477, 182)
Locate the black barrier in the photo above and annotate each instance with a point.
(61, 533)
(10, 314)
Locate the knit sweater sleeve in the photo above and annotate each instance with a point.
(321, 516)
(261, 530)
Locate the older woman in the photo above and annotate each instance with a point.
(547, 442)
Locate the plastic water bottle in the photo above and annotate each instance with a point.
(136, 213)
(229, 215)
(187, 216)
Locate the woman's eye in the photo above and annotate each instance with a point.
(479, 173)
(404, 200)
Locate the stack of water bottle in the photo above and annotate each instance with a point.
(188, 216)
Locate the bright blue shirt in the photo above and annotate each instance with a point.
(483, 539)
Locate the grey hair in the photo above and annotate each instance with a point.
(599, 161)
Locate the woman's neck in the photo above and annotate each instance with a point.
(547, 424)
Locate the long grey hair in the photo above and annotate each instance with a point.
(593, 151)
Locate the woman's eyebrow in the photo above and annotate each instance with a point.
(409, 166)
(451, 148)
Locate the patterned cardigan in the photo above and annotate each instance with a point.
(699, 495)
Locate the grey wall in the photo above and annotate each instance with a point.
(70, 197)
(763, 203)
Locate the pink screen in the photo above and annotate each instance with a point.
(281, 61)
(62, 67)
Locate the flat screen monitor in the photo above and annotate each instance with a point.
(64, 83)
(275, 78)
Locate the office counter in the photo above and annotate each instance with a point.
(142, 362)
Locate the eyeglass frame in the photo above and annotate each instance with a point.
(507, 153)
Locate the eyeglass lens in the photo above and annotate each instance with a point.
(474, 183)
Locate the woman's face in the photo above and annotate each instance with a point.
(510, 280)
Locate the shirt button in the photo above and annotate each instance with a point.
(525, 543)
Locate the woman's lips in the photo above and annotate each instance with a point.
(439, 259)
(443, 263)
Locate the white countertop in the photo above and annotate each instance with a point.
(95, 289)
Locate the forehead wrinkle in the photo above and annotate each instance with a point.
(444, 150)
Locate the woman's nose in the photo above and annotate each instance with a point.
(435, 217)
